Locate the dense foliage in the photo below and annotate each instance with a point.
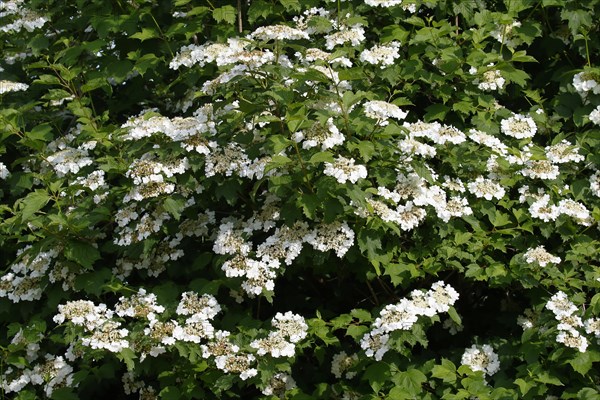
(295, 199)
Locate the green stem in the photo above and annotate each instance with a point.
(304, 170)
(587, 49)
(162, 35)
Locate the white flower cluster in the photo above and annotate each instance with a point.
(563, 152)
(289, 329)
(278, 32)
(519, 126)
(139, 305)
(279, 384)
(403, 315)
(585, 82)
(417, 194)
(383, 3)
(25, 280)
(354, 34)
(9, 86)
(486, 188)
(233, 238)
(149, 176)
(342, 364)
(97, 320)
(542, 208)
(95, 182)
(595, 183)
(52, 373)
(200, 310)
(326, 135)
(187, 130)
(69, 160)
(481, 358)
(343, 170)
(382, 111)
(383, 55)
(22, 18)
(594, 116)
(491, 80)
(540, 256)
(569, 323)
(4, 172)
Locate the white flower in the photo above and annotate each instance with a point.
(278, 32)
(595, 183)
(481, 358)
(573, 339)
(383, 55)
(540, 256)
(383, 3)
(542, 169)
(355, 35)
(585, 82)
(9, 86)
(341, 363)
(375, 344)
(486, 188)
(518, 126)
(563, 152)
(491, 80)
(595, 116)
(541, 209)
(395, 317)
(4, 172)
(279, 384)
(560, 305)
(382, 111)
(343, 170)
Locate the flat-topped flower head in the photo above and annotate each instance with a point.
(519, 126)
(587, 81)
(540, 256)
(382, 55)
(481, 358)
(343, 170)
(382, 111)
(278, 32)
(560, 305)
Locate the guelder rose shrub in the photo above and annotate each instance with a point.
(299, 199)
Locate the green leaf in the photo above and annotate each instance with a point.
(145, 34)
(378, 375)
(545, 377)
(127, 356)
(436, 112)
(410, 381)
(225, 14)
(309, 203)
(322, 156)
(291, 5)
(446, 371)
(63, 393)
(174, 207)
(170, 393)
(41, 132)
(34, 202)
(525, 386)
(369, 241)
(454, 316)
(278, 143)
(582, 362)
(361, 315)
(82, 253)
